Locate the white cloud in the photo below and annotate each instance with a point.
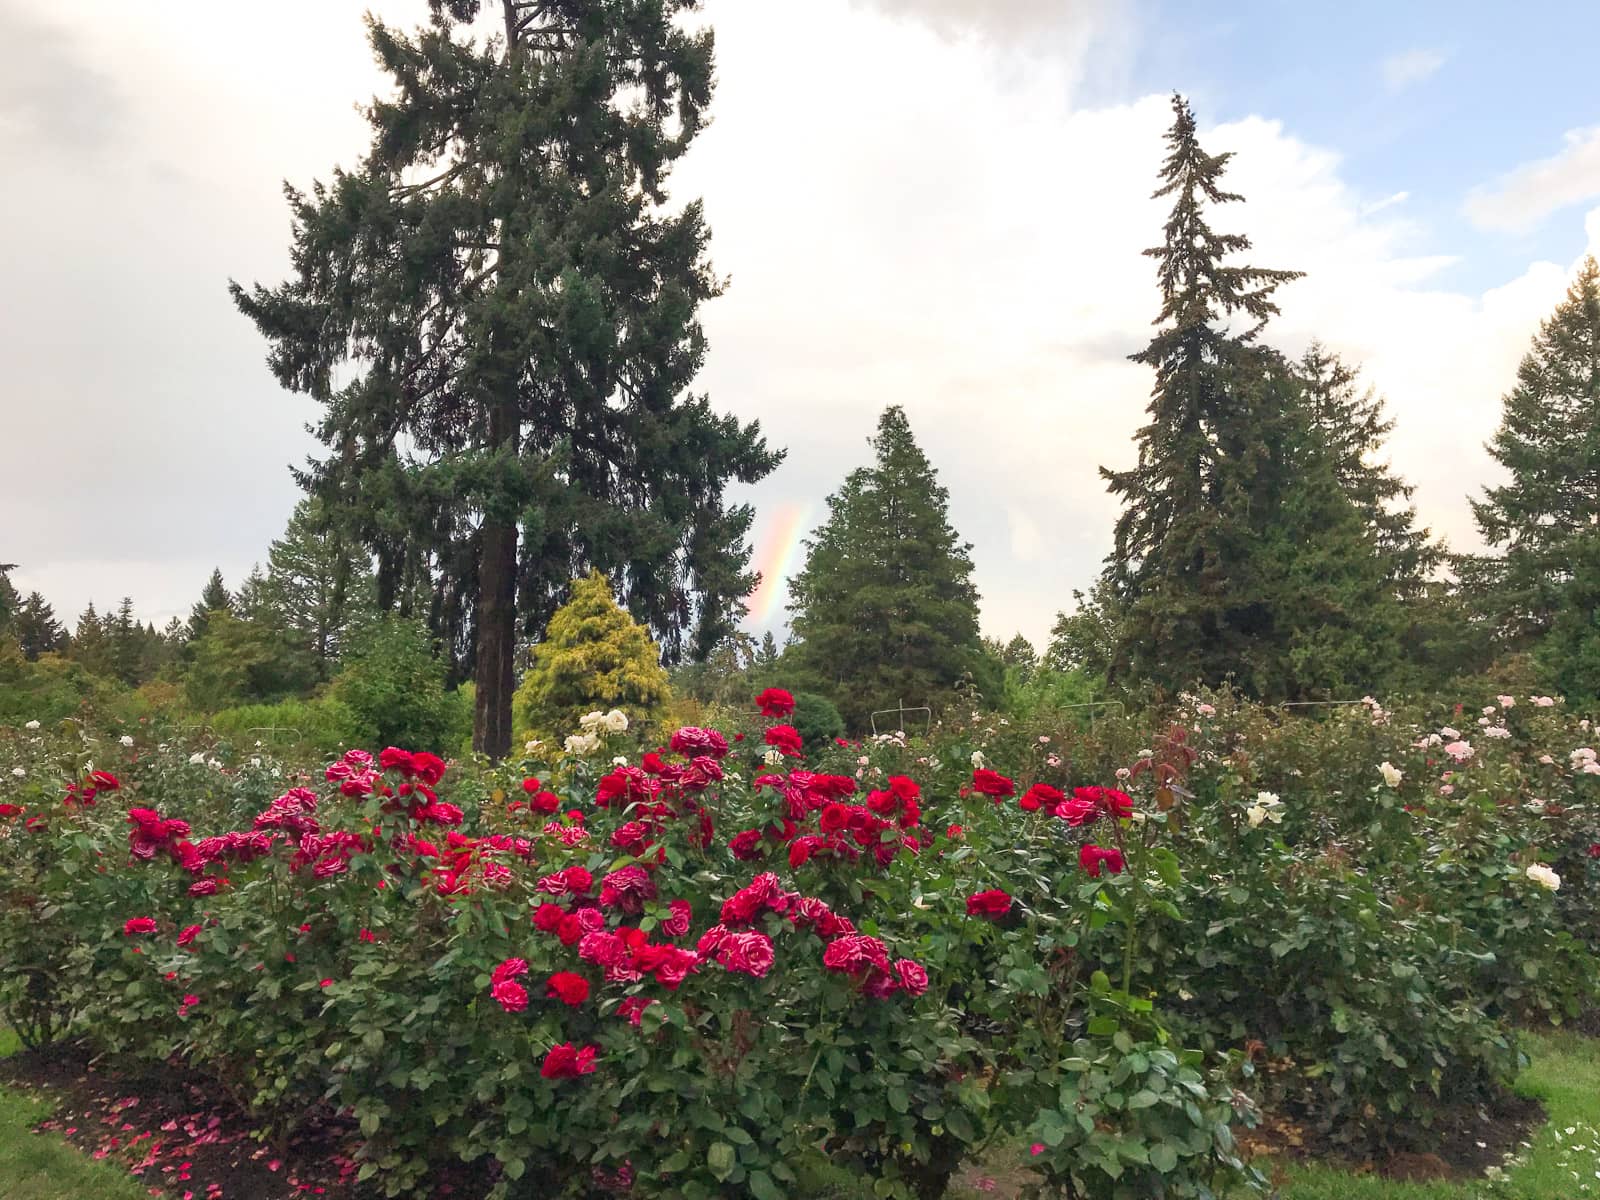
(1523, 197)
(1402, 70)
(1378, 206)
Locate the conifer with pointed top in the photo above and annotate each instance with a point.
(1542, 589)
(1180, 563)
(884, 610)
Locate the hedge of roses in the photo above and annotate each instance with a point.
(722, 966)
(703, 972)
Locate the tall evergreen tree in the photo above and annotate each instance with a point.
(884, 610)
(10, 599)
(318, 581)
(1542, 588)
(91, 643)
(214, 598)
(523, 307)
(1180, 564)
(37, 630)
(1350, 426)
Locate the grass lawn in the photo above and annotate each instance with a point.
(1562, 1163)
(41, 1166)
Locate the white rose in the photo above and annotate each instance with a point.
(531, 745)
(774, 758)
(1392, 775)
(1267, 799)
(19, 772)
(619, 761)
(196, 758)
(126, 740)
(979, 762)
(616, 721)
(1446, 731)
(591, 720)
(582, 744)
(31, 725)
(1544, 877)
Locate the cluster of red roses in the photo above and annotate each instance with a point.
(1086, 804)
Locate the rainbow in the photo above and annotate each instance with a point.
(778, 554)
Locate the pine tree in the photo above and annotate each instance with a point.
(1542, 590)
(37, 630)
(214, 598)
(318, 582)
(10, 599)
(523, 305)
(1351, 427)
(593, 656)
(127, 648)
(91, 643)
(884, 610)
(1180, 564)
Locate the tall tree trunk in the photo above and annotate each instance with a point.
(497, 638)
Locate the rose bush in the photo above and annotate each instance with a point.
(715, 967)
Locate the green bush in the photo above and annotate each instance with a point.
(393, 686)
(816, 720)
(324, 726)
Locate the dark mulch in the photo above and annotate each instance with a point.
(1463, 1147)
(180, 1135)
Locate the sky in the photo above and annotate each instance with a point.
(933, 203)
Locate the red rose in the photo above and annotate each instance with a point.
(188, 935)
(573, 881)
(775, 702)
(531, 786)
(134, 925)
(954, 833)
(564, 1062)
(1040, 795)
(911, 976)
(677, 924)
(568, 988)
(991, 783)
(993, 903)
(749, 953)
(746, 845)
(511, 995)
(547, 917)
(1093, 858)
(786, 739)
(1108, 800)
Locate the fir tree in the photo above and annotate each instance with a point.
(214, 598)
(593, 656)
(884, 610)
(1180, 563)
(91, 643)
(1350, 426)
(318, 581)
(37, 630)
(1542, 589)
(523, 305)
(10, 599)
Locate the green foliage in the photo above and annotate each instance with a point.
(1543, 587)
(392, 685)
(884, 610)
(816, 720)
(45, 690)
(323, 725)
(214, 598)
(237, 660)
(594, 656)
(1258, 540)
